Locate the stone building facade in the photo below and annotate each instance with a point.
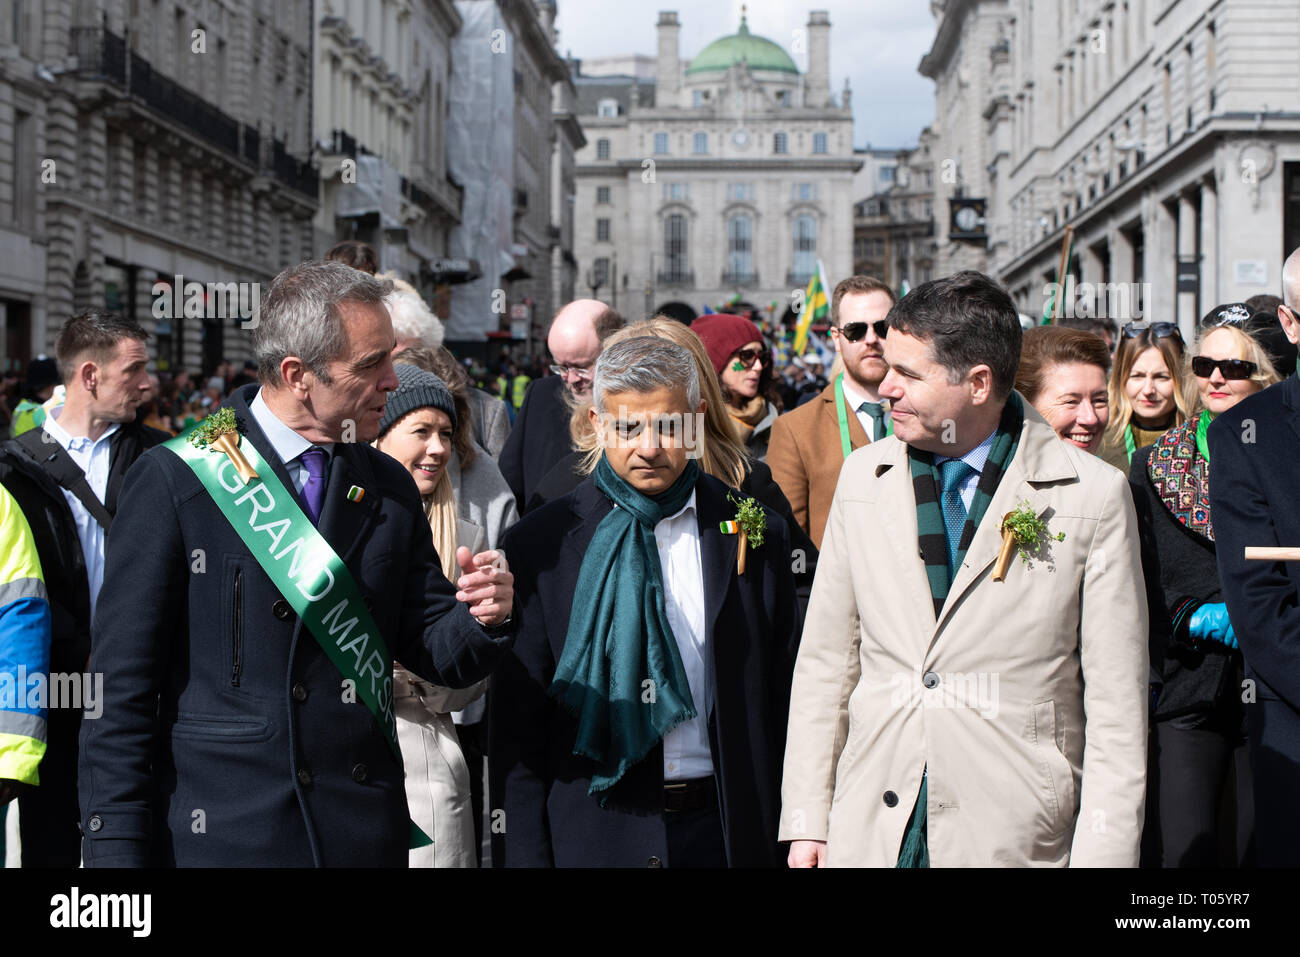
(1165, 133)
(727, 175)
(150, 139)
(893, 228)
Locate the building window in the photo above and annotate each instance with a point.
(601, 277)
(602, 230)
(23, 164)
(697, 98)
(607, 109)
(740, 249)
(701, 142)
(675, 260)
(780, 143)
(740, 192)
(661, 143)
(602, 195)
(819, 143)
(804, 192)
(782, 97)
(676, 192)
(886, 174)
(805, 248)
(602, 149)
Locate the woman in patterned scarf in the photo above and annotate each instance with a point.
(1200, 729)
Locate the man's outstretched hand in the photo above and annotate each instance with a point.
(807, 854)
(486, 585)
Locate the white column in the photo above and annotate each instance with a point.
(1210, 285)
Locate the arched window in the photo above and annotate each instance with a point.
(805, 248)
(602, 149)
(740, 249)
(675, 253)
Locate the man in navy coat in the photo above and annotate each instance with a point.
(228, 737)
(702, 788)
(1254, 491)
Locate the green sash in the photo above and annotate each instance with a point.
(309, 574)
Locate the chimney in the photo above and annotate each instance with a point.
(668, 71)
(817, 82)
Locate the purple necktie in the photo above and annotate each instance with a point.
(313, 492)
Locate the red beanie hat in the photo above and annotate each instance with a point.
(722, 334)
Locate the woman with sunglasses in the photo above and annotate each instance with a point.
(1199, 722)
(743, 365)
(1148, 395)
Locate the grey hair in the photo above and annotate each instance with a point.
(643, 364)
(413, 319)
(300, 316)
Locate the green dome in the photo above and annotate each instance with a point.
(759, 52)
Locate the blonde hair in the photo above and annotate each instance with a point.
(721, 453)
(1266, 373)
(1126, 357)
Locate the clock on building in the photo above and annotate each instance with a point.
(740, 138)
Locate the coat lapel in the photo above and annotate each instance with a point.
(343, 523)
(717, 552)
(857, 434)
(1040, 458)
(1291, 397)
(895, 506)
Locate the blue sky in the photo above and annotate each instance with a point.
(877, 44)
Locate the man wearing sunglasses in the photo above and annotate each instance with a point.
(810, 443)
(1253, 450)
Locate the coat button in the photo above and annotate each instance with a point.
(360, 773)
(931, 680)
(304, 777)
(891, 799)
(281, 609)
(299, 692)
(654, 862)
(95, 823)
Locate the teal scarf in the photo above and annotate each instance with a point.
(620, 673)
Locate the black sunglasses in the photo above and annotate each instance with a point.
(746, 357)
(853, 331)
(1160, 330)
(1203, 367)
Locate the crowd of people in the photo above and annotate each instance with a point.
(975, 595)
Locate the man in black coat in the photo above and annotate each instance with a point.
(706, 792)
(228, 737)
(102, 358)
(540, 435)
(1254, 448)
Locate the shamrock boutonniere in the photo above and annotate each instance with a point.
(1025, 529)
(219, 431)
(750, 523)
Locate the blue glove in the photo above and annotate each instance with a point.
(1210, 623)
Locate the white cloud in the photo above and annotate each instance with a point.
(877, 44)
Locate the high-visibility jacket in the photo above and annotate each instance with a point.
(520, 386)
(28, 415)
(24, 646)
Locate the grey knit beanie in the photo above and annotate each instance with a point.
(417, 390)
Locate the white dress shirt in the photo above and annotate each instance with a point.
(288, 444)
(686, 748)
(93, 459)
(976, 458)
(854, 398)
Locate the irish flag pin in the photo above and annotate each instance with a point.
(356, 493)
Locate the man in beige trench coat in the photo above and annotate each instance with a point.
(1007, 727)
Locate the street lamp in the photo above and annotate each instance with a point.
(594, 282)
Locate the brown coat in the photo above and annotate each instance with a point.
(805, 457)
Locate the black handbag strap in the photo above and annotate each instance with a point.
(61, 467)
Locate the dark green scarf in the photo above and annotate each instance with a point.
(915, 851)
(619, 637)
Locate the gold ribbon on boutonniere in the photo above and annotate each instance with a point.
(1023, 529)
(219, 431)
(750, 523)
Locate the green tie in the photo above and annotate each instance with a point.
(953, 474)
(877, 412)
